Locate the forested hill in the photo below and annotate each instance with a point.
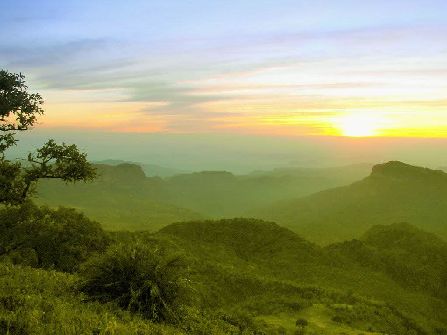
(393, 192)
(249, 239)
(414, 258)
(398, 265)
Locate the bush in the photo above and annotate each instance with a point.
(54, 239)
(302, 323)
(140, 278)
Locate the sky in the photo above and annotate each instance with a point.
(278, 69)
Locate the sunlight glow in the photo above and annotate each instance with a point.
(360, 124)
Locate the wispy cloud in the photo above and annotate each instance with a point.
(280, 71)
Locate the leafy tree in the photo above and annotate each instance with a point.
(19, 111)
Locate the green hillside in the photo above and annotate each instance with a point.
(248, 277)
(124, 198)
(278, 260)
(394, 192)
(34, 301)
(412, 257)
(121, 198)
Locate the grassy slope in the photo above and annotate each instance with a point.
(269, 258)
(239, 267)
(412, 257)
(320, 321)
(35, 301)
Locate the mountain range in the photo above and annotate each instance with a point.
(123, 196)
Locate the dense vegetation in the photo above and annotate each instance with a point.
(410, 256)
(53, 239)
(236, 277)
(138, 277)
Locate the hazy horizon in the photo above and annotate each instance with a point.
(238, 87)
(241, 153)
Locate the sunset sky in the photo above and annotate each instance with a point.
(295, 68)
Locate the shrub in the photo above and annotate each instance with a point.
(140, 278)
(54, 239)
(302, 323)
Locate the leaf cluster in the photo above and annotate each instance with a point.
(19, 110)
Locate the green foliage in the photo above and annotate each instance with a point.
(12, 182)
(40, 302)
(410, 256)
(61, 239)
(63, 162)
(18, 108)
(302, 323)
(225, 287)
(440, 331)
(219, 323)
(52, 161)
(268, 270)
(139, 278)
(18, 112)
(377, 318)
(249, 239)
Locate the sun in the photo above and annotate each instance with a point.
(359, 124)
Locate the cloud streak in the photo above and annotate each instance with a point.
(212, 78)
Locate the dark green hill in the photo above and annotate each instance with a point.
(412, 257)
(394, 192)
(251, 240)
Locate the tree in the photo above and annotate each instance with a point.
(19, 111)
